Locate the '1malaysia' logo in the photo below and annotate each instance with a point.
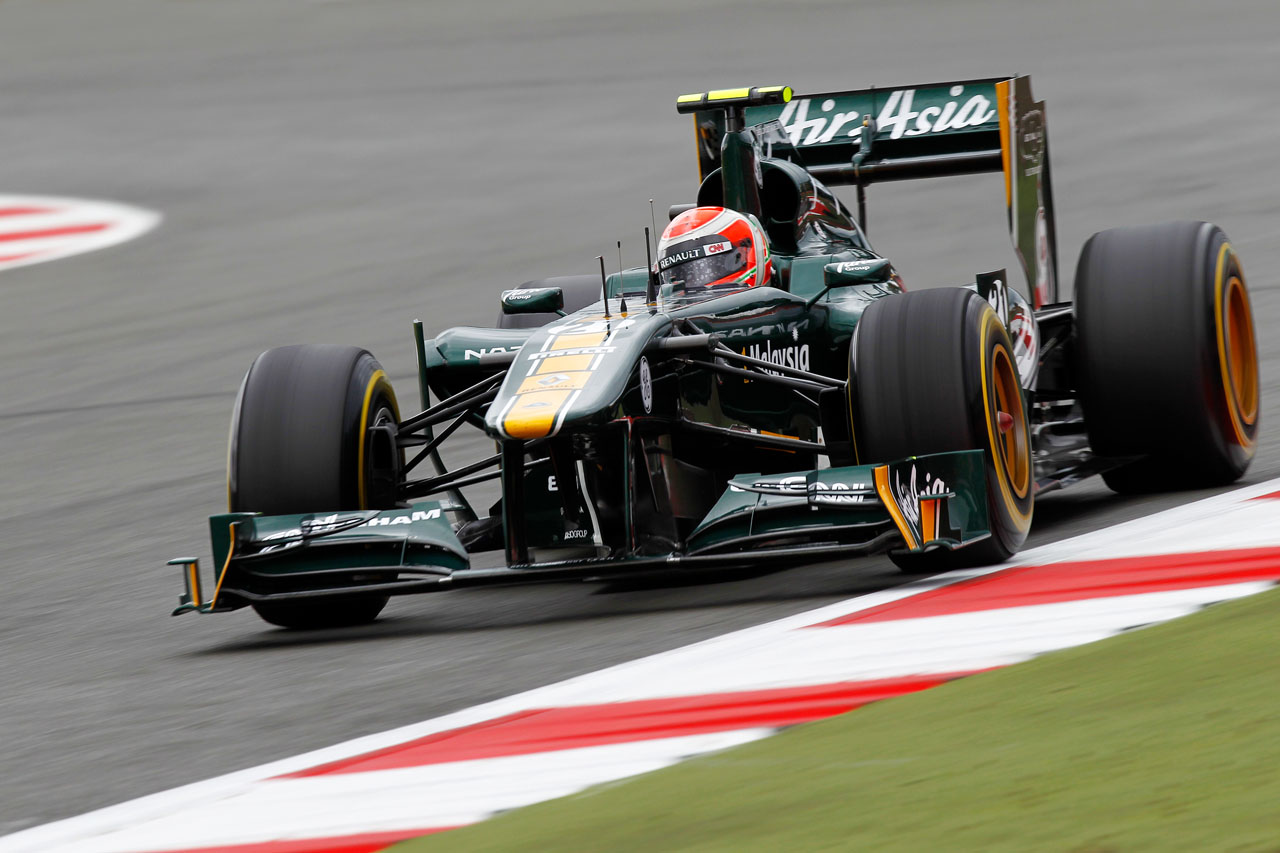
(907, 495)
(794, 356)
(809, 122)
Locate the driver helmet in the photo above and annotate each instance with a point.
(714, 247)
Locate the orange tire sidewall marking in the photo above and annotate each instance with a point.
(1221, 283)
(1022, 519)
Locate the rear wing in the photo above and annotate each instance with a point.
(871, 136)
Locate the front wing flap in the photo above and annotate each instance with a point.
(919, 503)
(318, 554)
(916, 504)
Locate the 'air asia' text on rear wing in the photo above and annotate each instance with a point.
(933, 130)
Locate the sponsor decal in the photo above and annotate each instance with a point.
(552, 379)
(907, 494)
(717, 248)
(810, 122)
(817, 492)
(520, 294)
(998, 297)
(577, 533)
(768, 330)
(1031, 140)
(591, 327)
(677, 258)
(855, 266)
(923, 516)
(794, 356)
(820, 492)
(538, 356)
(327, 523)
(1042, 257)
(646, 385)
(471, 354)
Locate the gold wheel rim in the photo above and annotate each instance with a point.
(1014, 453)
(1242, 354)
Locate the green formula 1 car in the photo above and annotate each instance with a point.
(651, 422)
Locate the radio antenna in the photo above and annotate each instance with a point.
(604, 286)
(622, 307)
(654, 222)
(651, 287)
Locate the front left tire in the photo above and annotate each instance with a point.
(933, 371)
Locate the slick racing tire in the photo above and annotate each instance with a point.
(1167, 362)
(298, 445)
(579, 292)
(930, 372)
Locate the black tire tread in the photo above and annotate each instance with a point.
(1147, 364)
(917, 381)
(294, 449)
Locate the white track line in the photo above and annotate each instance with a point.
(112, 223)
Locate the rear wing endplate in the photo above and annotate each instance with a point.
(933, 130)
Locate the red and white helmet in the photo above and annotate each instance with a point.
(714, 247)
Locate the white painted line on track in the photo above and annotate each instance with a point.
(462, 792)
(35, 229)
(785, 652)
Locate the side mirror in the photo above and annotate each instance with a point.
(533, 300)
(861, 271)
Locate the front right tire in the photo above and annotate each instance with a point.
(298, 446)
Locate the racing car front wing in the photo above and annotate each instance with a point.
(915, 504)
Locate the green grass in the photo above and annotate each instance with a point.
(1162, 739)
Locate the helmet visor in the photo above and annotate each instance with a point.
(712, 262)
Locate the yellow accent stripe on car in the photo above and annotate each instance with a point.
(553, 380)
(533, 414)
(564, 342)
(534, 411)
(231, 549)
(1003, 106)
(881, 476)
(929, 518)
(728, 94)
(785, 90)
(564, 363)
(193, 575)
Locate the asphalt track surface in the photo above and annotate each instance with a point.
(330, 170)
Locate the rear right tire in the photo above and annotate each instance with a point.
(1167, 364)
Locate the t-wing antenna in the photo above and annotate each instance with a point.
(740, 149)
